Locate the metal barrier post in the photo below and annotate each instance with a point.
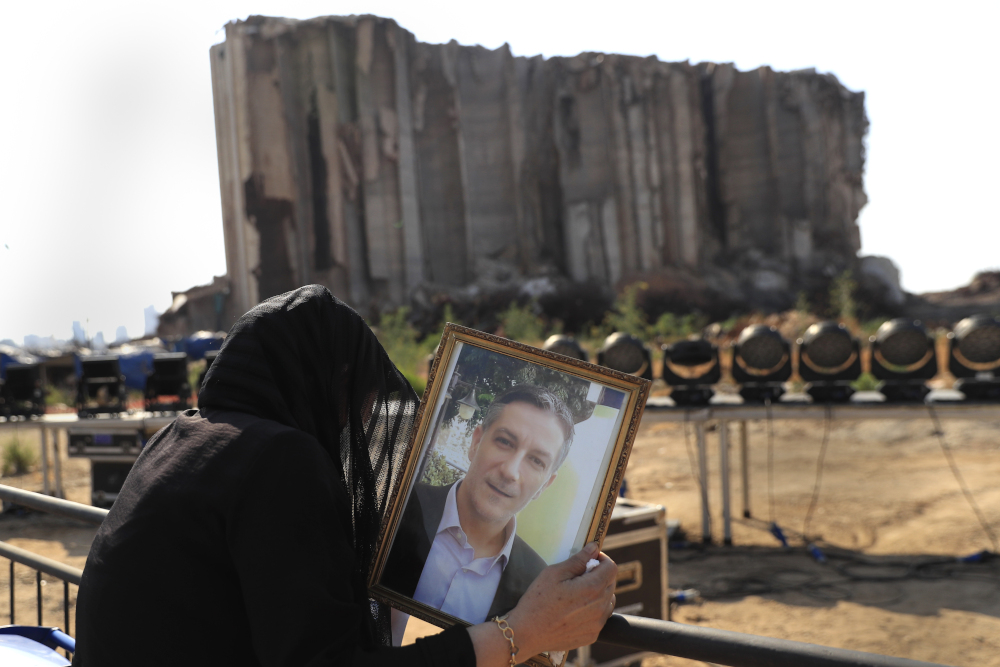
(745, 467)
(706, 517)
(727, 519)
(66, 607)
(38, 594)
(57, 465)
(45, 461)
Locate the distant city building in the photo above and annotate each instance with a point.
(32, 342)
(152, 320)
(121, 335)
(98, 342)
(79, 335)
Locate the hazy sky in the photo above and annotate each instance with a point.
(108, 173)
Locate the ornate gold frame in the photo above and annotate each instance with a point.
(635, 388)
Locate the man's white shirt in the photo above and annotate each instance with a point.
(453, 579)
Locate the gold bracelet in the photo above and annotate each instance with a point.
(508, 634)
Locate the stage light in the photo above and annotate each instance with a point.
(974, 357)
(762, 362)
(566, 346)
(168, 387)
(100, 387)
(903, 358)
(23, 392)
(691, 367)
(626, 353)
(829, 360)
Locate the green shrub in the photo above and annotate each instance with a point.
(17, 458)
(868, 329)
(194, 372)
(626, 315)
(671, 327)
(520, 323)
(418, 383)
(58, 394)
(400, 340)
(802, 303)
(842, 301)
(866, 382)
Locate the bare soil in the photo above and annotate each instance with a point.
(890, 518)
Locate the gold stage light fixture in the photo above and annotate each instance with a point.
(566, 346)
(626, 353)
(829, 360)
(974, 357)
(762, 362)
(903, 358)
(691, 367)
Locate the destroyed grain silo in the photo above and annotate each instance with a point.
(395, 172)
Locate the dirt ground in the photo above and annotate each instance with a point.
(890, 518)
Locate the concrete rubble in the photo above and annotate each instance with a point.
(394, 171)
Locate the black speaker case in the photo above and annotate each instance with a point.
(106, 480)
(85, 443)
(637, 541)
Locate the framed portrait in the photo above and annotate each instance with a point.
(515, 462)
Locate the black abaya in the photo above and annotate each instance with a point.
(244, 532)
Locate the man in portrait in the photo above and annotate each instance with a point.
(457, 547)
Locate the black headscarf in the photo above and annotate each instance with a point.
(307, 360)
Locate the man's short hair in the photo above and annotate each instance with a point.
(543, 399)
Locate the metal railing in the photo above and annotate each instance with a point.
(42, 565)
(736, 649)
(721, 647)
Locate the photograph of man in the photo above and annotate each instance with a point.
(457, 547)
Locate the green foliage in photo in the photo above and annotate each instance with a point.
(493, 373)
(437, 472)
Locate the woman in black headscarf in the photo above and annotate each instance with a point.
(244, 533)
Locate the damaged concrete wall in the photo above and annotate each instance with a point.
(352, 155)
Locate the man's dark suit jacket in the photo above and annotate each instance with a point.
(413, 543)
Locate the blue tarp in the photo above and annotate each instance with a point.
(136, 367)
(198, 344)
(13, 355)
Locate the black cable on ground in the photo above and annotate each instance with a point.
(939, 432)
(827, 422)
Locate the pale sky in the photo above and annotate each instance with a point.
(108, 172)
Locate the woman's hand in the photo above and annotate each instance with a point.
(564, 608)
